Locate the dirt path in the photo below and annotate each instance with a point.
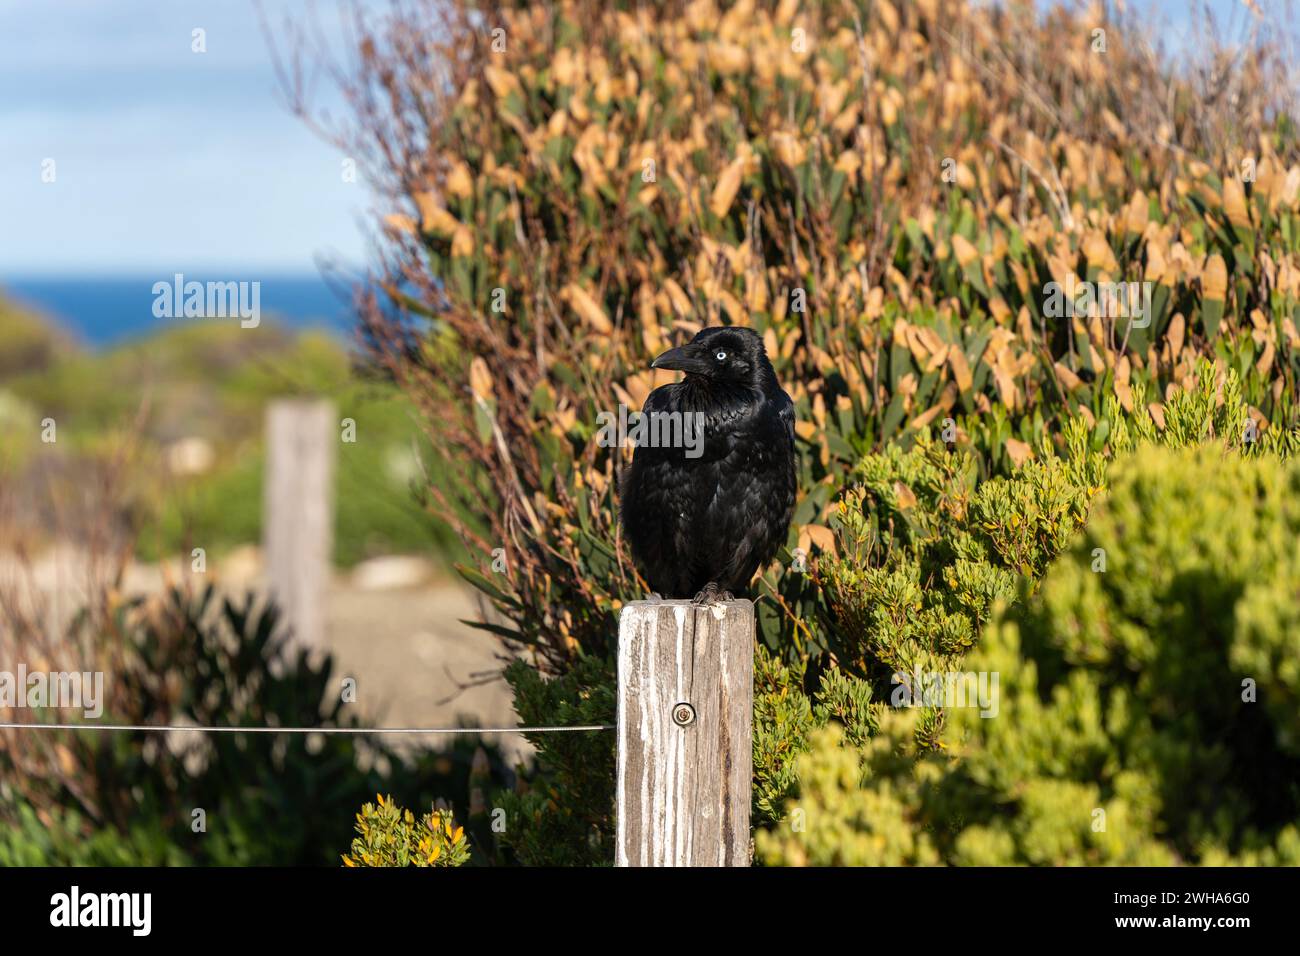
(416, 665)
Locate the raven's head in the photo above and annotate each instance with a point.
(723, 354)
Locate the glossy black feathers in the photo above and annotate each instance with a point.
(717, 518)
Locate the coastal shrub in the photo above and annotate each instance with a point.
(919, 206)
(927, 551)
(184, 658)
(1146, 714)
(573, 186)
(926, 547)
(561, 811)
(388, 835)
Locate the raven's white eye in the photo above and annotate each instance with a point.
(721, 356)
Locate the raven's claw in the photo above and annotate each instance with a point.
(711, 595)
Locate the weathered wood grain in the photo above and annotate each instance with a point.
(684, 791)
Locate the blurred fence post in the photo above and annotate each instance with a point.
(685, 733)
(298, 512)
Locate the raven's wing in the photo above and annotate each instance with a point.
(753, 501)
(787, 416)
(657, 496)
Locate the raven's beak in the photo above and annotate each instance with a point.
(682, 359)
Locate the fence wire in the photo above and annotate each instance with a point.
(166, 728)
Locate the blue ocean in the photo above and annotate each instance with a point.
(104, 312)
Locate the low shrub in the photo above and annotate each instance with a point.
(561, 811)
(387, 835)
(1147, 711)
(210, 799)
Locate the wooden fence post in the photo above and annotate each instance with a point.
(298, 512)
(685, 733)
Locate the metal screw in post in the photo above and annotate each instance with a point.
(683, 715)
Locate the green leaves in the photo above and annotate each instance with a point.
(1103, 616)
(388, 835)
(925, 552)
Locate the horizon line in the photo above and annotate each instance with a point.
(156, 274)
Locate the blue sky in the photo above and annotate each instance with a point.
(166, 159)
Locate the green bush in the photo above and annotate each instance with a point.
(880, 210)
(927, 546)
(60, 836)
(26, 343)
(1147, 713)
(265, 799)
(927, 542)
(387, 835)
(561, 814)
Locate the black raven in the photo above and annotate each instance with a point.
(705, 513)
